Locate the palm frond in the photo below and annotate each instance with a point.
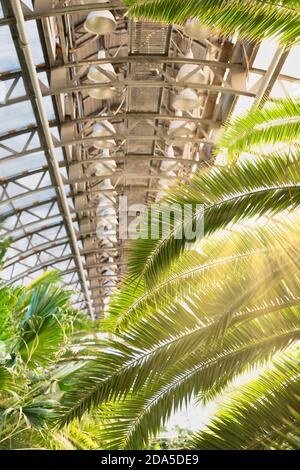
(122, 369)
(278, 123)
(257, 415)
(219, 197)
(49, 277)
(192, 340)
(169, 345)
(4, 244)
(7, 383)
(42, 331)
(130, 422)
(199, 273)
(197, 320)
(253, 19)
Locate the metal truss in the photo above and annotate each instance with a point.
(146, 57)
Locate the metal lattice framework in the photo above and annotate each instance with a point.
(51, 187)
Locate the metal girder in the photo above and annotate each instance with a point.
(138, 116)
(213, 64)
(271, 75)
(152, 59)
(136, 84)
(120, 159)
(151, 84)
(226, 84)
(61, 11)
(35, 250)
(29, 232)
(112, 118)
(40, 266)
(118, 175)
(31, 83)
(134, 138)
(133, 58)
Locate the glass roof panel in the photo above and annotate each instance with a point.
(34, 40)
(26, 200)
(15, 166)
(18, 143)
(27, 217)
(16, 87)
(31, 228)
(9, 58)
(285, 88)
(34, 219)
(12, 190)
(265, 54)
(49, 107)
(292, 64)
(16, 116)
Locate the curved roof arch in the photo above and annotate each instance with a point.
(53, 193)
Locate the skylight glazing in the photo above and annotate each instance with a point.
(145, 62)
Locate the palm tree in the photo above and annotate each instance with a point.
(32, 333)
(191, 317)
(253, 19)
(36, 329)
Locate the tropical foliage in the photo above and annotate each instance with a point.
(36, 330)
(271, 399)
(167, 440)
(263, 129)
(253, 19)
(191, 317)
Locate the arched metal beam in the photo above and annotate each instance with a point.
(29, 232)
(117, 158)
(112, 117)
(151, 84)
(120, 175)
(153, 59)
(134, 138)
(61, 11)
(120, 116)
(205, 87)
(35, 250)
(44, 265)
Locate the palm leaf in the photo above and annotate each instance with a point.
(269, 125)
(253, 19)
(195, 320)
(220, 197)
(49, 277)
(259, 413)
(194, 273)
(4, 244)
(123, 368)
(130, 423)
(42, 331)
(7, 383)
(173, 345)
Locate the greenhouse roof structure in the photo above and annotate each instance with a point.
(95, 105)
